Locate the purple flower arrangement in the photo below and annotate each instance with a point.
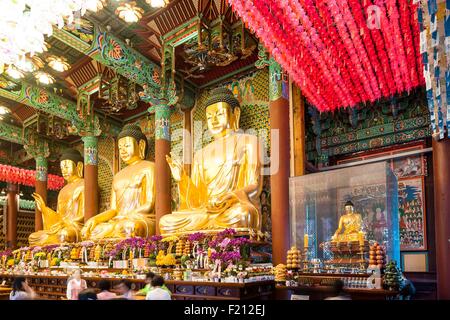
(226, 248)
(155, 238)
(6, 253)
(196, 237)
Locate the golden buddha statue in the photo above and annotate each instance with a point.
(132, 194)
(224, 188)
(350, 226)
(65, 224)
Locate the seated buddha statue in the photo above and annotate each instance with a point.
(225, 184)
(350, 226)
(65, 224)
(132, 193)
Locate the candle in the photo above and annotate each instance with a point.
(361, 238)
(305, 240)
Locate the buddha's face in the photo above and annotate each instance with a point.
(219, 117)
(68, 169)
(128, 149)
(349, 209)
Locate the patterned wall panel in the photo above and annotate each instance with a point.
(2, 228)
(105, 170)
(25, 226)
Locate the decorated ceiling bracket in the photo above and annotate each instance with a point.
(10, 133)
(164, 97)
(278, 80)
(45, 101)
(89, 124)
(111, 52)
(38, 148)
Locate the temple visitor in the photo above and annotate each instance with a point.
(75, 285)
(148, 280)
(21, 290)
(87, 294)
(338, 287)
(157, 292)
(124, 289)
(105, 291)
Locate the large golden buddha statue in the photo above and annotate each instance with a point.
(224, 188)
(350, 226)
(132, 194)
(65, 224)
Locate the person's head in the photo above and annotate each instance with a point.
(104, 285)
(157, 281)
(149, 277)
(132, 143)
(222, 112)
(18, 284)
(87, 294)
(77, 274)
(338, 286)
(71, 163)
(124, 286)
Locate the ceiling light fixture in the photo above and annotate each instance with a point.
(157, 3)
(129, 12)
(59, 64)
(14, 73)
(44, 78)
(4, 110)
(94, 5)
(27, 64)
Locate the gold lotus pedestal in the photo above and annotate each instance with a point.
(349, 254)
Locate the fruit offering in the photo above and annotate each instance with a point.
(160, 258)
(187, 248)
(97, 252)
(293, 258)
(178, 275)
(392, 279)
(91, 254)
(280, 273)
(179, 248)
(74, 253)
(377, 256)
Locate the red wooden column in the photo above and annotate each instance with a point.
(280, 172)
(441, 169)
(163, 178)
(40, 188)
(11, 223)
(90, 176)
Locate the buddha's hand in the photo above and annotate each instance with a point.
(175, 167)
(221, 199)
(40, 203)
(88, 227)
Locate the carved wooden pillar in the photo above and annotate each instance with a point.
(163, 175)
(40, 188)
(441, 170)
(280, 172)
(11, 223)
(90, 176)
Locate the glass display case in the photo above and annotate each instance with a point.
(345, 220)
